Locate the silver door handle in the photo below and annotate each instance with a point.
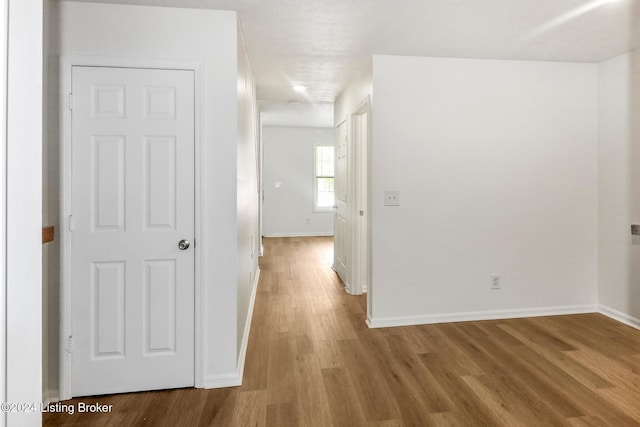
(183, 245)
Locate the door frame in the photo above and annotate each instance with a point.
(347, 232)
(21, 138)
(67, 62)
(360, 200)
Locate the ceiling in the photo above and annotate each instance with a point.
(322, 44)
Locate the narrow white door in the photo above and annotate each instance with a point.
(340, 229)
(133, 202)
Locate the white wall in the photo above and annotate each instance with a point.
(248, 198)
(21, 283)
(619, 187)
(209, 38)
(358, 89)
(496, 164)
(289, 160)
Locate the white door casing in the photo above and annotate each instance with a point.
(341, 212)
(360, 144)
(21, 71)
(132, 191)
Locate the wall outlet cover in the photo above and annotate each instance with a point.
(392, 198)
(495, 281)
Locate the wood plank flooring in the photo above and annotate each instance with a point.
(312, 361)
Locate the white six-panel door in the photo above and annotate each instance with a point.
(132, 203)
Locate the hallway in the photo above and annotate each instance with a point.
(312, 361)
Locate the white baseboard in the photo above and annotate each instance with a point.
(247, 327)
(304, 234)
(51, 396)
(231, 379)
(619, 316)
(234, 379)
(388, 322)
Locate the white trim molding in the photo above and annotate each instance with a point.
(4, 45)
(51, 396)
(21, 125)
(359, 185)
(231, 379)
(234, 379)
(308, 234)
(619, 316)
(389, 322)
(247, 327)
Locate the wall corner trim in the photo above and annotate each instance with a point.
(234, 379)
(619, 316)
(369, 323)
(247, 327)
(231, 379)
(51, 396)
(388, 322)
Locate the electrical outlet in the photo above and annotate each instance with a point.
(392, 198)
(495, 281)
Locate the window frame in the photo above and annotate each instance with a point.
(316, 208)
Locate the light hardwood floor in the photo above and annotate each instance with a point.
(312, 361)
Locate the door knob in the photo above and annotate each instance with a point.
(183, 245)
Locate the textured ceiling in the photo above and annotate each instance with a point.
(322, 44)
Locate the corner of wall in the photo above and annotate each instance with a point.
(247, 197)
(234, 379)
(618, 187)
(619, 316)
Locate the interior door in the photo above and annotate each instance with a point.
(133, 203)
(340, 228)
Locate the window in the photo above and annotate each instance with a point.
(323, 181)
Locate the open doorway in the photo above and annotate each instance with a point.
(297, 199)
